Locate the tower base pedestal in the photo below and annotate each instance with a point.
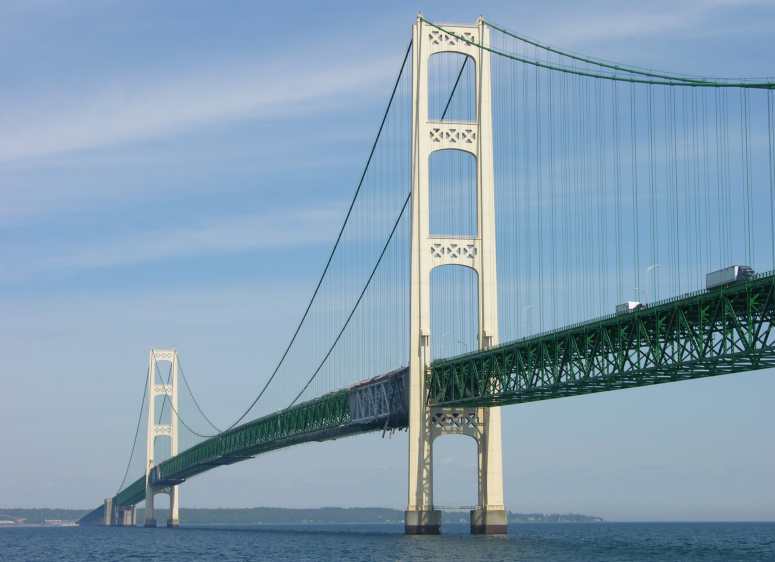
(173, 523)
(422, 522)
(150, 523)
(489, 522)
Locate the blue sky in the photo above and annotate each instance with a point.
(172, 174)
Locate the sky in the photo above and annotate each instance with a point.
(172, 174)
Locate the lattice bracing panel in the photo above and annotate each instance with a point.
(460, 251)
(440, 39)
(460, 421)
(454, 136)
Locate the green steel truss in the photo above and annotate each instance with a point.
(323, 418)
(707, 333)
(327, 417)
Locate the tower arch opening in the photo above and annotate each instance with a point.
(452, 87)
(454, 310)
(455, 475)
(452, 193)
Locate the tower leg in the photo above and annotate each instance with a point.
(490, 517)
(174, 519)
(150, 513)
(420, 518)
(108, 512)
(127, 516)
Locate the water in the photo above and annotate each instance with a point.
(612, 542)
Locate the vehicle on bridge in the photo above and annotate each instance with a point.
(628, 306)
(728, 275)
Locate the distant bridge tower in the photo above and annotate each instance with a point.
(156, 429)
(429, 252)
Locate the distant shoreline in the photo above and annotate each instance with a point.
(47, 517)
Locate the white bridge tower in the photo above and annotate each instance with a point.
(157, 429)
(428, 252)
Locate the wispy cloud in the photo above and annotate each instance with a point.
(627, 21)
(211, 238)
(137, 107)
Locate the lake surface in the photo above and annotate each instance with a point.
(612, 542)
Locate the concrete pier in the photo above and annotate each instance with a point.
(422, 522)
(490, 522)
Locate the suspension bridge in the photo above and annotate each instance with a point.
(568, 206)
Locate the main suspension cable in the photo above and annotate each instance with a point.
(175, 411)
(615, 77)
(454, 88)
(196, 402)
(617, 67)
(379, 259)
(357, 302)
(309, 304)
(137, 433)
(333, 249)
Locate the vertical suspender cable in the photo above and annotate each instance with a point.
(771, 158)
(746, 163)
(553, 201)
(705, 180)
(618, 182)
(333, 249)
(677, 272)
(539, 200)
(527, 205)
(722, 202)
(727, 192)
(652, 195)
(635, 194)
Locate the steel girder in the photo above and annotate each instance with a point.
(707, 333)
(132, 494)
(384, 398)
(279, 429)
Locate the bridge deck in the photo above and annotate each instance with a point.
(371, 405)
(701, 334)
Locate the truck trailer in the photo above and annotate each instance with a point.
(628, 306)
(728, 275)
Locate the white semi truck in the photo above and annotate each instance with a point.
(629, 306)
(728, 275)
